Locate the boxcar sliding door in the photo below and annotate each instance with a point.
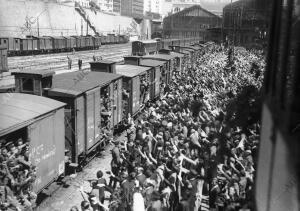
(135, 89)
(79, 125)
(47, 148)
(92, 111)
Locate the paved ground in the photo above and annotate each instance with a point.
(64, 198)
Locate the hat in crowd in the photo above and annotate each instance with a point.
(248, 152)
(9, 144)
(164, 123)
(132, 175)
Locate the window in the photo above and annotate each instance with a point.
(4, 41)
(27, 84)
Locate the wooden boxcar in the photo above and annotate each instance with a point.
(3, 60)
(97, 42)
(103, 39)
(73, 43)
(35, 43)
(12, 44)
(123, 39)
(46, 43)
(59, 44)
(114, 89)
(186, 50)
(154, 73)
(89, 44)
(110, 38)
(133, 75)
(41, 121)
(82, 42)
(24, 45)
(144, 47)
(81, 92)
(77, 40)
(157, 67)
(171, 61)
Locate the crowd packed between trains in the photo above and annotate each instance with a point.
(16, 176)
(192, 149)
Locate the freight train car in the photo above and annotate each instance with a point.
(81, 91)
(3, 60)
(144, 47)
(88, 98)
(155, 73)
(133, 80)
(13, 45)
(171, 65)
(40, 121)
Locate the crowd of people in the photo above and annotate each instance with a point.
(17, 175)
(189, 150)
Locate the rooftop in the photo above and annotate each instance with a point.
(79, 82)
(19, 110)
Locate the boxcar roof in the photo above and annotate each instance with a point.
(131, 70)
(79, 82)
(104, 62)
(145, 41)
(160, 56)
(42, 73)
(18, 110)
(151, 62)
(177, 54)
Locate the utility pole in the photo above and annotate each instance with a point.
(87, 28)
(38, 27)
(81, 28)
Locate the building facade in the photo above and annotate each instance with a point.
(246, 23)
(153, 6)
(191, 22)
(132, 8)
(172, 6)
(117, 6)
(105, 5)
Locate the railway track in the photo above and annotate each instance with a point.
(60, 61)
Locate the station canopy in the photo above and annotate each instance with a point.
(19, 110)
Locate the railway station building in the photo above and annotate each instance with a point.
(246, 22)
(190, 22)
